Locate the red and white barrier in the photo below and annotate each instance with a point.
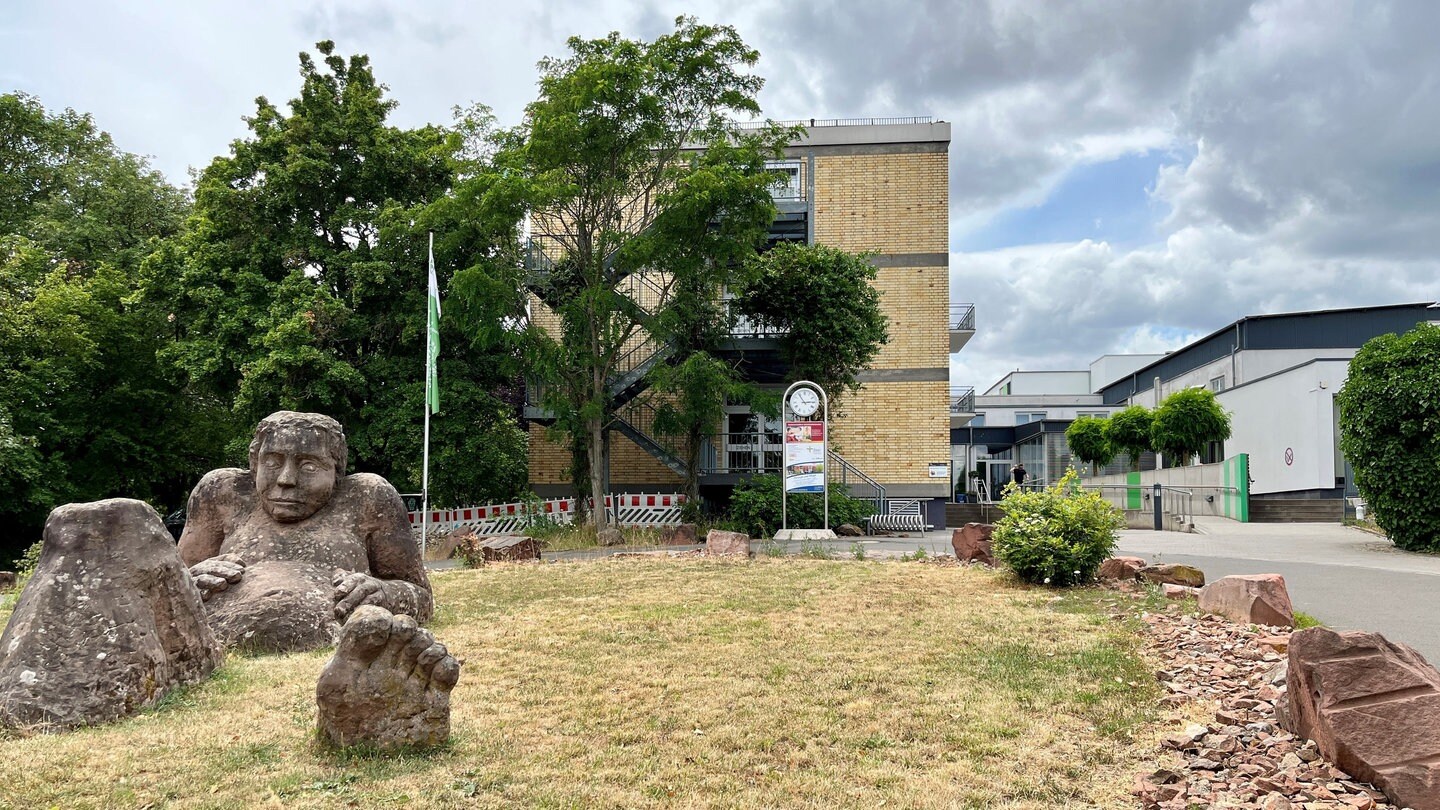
(660, 509)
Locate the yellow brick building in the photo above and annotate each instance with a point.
(878, 187)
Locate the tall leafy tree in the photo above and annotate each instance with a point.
(1186, 422)
(629, 164)
(300, 281)
(1088, 441)
(1129, 432)
(86, 412)
(1390, 433)
(823, 300)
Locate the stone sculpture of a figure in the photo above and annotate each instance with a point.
(285, 551)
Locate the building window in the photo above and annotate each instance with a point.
(1217, 384)
(978, 420)
(1027, 418)
(787, 183)
(1092, 414)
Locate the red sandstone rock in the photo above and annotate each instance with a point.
(682, 535)
(1120, 568)
(972, 542)
(718, 542)
(1251, 599)
(1177, 591)
(1174, 574)
(509, 548)
(1373, 708)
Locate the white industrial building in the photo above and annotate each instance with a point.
(1277, 375)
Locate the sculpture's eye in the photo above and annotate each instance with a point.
(310, 467)
(271, 462)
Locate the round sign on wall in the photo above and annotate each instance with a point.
(1289, 456)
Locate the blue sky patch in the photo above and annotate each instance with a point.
(1107, 202)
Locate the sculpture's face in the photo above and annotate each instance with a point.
(294, 473)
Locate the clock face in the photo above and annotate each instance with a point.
(804, 402)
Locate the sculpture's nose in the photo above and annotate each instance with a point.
(288, 473)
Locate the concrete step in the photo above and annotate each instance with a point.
(958, 514)
(1297, 510)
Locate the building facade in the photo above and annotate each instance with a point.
(1277, 376)
(880, 187)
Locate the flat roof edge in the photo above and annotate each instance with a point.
(935, 132)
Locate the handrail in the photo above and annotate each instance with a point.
(962, 317)
(846, 469)
(962, 400)
(835, 122)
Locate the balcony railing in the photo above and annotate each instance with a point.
(837, 122)
(962, 400)
(962, 317)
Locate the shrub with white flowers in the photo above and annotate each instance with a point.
(1056, 536)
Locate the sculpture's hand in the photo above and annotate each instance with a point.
(216, 574)
(354, 589)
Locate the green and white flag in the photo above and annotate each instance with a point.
(432, 339)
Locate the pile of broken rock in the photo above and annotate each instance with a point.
(1239, 757)
(1312, 719)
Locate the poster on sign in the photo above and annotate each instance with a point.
(804, 456)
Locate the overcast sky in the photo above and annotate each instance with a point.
(1125, 175)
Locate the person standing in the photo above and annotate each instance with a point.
(1018, 474)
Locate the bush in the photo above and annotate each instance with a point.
(1390, 434)
(1057, 536)
(755, 508)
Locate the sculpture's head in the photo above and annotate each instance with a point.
(297, 459)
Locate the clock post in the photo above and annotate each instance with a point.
(807, 443)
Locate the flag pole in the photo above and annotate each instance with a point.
(431, 292)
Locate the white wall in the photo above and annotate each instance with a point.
(1000, 411)
(1293, 410)
(1248, 366)
(1200, 479)
(1108, 368)
(1044, 382)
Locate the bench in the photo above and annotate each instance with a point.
(899, 516)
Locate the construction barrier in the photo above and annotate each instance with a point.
(660, 509)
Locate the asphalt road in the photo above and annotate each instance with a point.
(1346, 578)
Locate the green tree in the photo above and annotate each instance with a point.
(1129, 432)
(1390, 433)
(300, 282)
(1186, 422)
(86, 412)
(609, 167)
(1088, 440)
(822, 299)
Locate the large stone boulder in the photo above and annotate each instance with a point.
(1250, 599)
(1120, 569)
(7, 580)
(388, 685)
(684, 534)
(1172, 574)
(972, 543)
(508, 548)
(719, 542)
(610, 537)
(1373, 708)
(107, 625)
(849, 530)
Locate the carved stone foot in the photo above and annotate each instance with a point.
(387, 686)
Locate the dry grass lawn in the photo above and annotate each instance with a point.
(674, 683)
